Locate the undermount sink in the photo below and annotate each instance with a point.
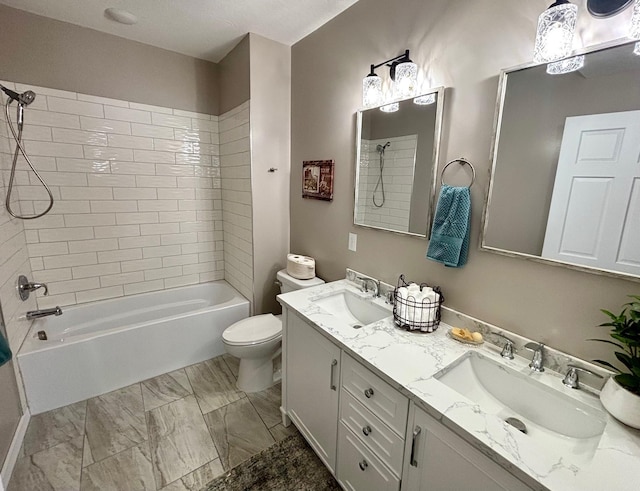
(551, 418)
(352, 309)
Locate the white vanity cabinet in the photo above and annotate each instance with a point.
(439, 460)
(312, 386)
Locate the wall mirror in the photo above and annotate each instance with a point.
(396, 163)
(565, 179)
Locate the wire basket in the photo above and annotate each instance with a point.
(415, 313)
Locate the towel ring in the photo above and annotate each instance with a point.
(462, 161)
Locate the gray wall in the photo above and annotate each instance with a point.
(530, 145)
(462, 45)
(234, 76)
(49, 53)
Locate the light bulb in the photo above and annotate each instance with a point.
(565, 66)
(371, 91)
(406, 81)
(425, 100)
(390, 108)
(556, 27)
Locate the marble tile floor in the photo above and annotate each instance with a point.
(175, 432)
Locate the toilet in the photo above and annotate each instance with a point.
(257, 340)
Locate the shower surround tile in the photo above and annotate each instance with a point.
(115, 422)
(180, 441)
(238, 432)
(213, 384)
(104, 156)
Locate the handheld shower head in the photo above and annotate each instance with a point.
(25, 98)
(381, 148)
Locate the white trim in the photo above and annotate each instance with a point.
(14, 450)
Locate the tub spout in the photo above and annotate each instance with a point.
(36, 314)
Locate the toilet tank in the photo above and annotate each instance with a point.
(289, 283)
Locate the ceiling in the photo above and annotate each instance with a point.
(206, 29)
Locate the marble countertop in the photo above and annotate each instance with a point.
(409, 361)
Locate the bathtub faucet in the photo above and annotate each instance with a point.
(36, 314)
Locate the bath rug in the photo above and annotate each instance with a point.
(288, 465)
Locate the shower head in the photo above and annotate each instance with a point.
(381, 148)
(25, 98)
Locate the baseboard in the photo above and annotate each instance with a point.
(14, 450)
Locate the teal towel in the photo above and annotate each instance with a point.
(5, 351)
(449, 242)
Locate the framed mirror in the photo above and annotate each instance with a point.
(396, 164)
(565, 178)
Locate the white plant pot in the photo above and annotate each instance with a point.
(620, 403)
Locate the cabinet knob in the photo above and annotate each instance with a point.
(368, 393)
(363, 465)
(366, 430)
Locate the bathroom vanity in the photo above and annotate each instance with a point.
(383, 408)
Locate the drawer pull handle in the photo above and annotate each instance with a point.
(363, 465)
(416, 433)
(332, 386)
(366, 430)
(368, 393)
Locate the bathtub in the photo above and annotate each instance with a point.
(99, 347)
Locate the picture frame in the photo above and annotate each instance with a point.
(317, 179)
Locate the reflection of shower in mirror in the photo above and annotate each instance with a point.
(380, 183)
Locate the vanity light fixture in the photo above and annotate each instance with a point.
(634, 29)
(402, 71)
(567, 65)
(556, 27)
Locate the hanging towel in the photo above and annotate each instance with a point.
(449, 242)
(5, 352)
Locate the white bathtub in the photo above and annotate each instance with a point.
(99, 347)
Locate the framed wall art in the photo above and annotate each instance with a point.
(317, 179)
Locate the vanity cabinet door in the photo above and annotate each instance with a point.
(313, 382)
(438, 460)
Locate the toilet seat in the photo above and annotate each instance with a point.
(253, 330)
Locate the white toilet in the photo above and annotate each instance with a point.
(256, 340)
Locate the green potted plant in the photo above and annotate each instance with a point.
(621, 393)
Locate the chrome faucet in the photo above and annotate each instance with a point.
(25, 287)
(365, 280)
(37, 314)
(572, 380)
(537, 362)
(507, 349)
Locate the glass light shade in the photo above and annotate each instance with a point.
(406, 81)
(636, 50)
(634, 29)
(565, 66)
(371, 91)
(425, 100)
(556, 27)
(390, 108)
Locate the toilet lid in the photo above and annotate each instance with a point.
(253, 330)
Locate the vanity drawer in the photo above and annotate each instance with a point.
(375, 394)
(358, 468)
(376, 435)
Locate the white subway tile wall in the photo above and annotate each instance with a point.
(398, 170)
(235, 177)
(14, 259)
(138, 200)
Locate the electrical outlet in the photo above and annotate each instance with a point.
(353, 242)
